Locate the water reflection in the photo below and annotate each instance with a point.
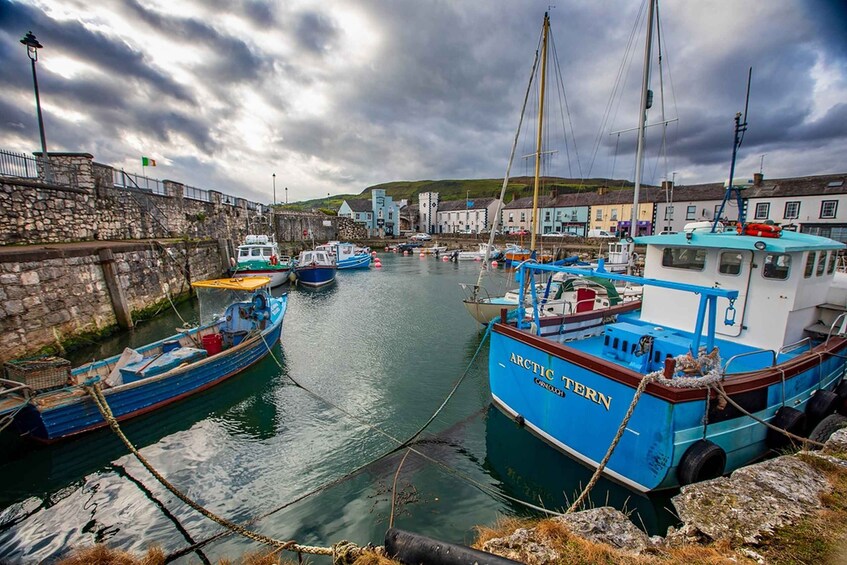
(535, 472)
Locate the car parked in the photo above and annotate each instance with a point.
(421, 237)
(519, 232)
(553, 234)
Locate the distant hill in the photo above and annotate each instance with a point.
(461, 189)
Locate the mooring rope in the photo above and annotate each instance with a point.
(10, 417)
(344, 552)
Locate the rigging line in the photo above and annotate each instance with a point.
(565, 106)
(617, 87)
(394, 488)
(663, 148)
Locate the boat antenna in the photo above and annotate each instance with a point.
(733, 190)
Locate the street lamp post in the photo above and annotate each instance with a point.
(286, 195)
(274, 175)
(32, 47)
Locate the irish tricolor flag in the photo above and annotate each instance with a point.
(148, 162)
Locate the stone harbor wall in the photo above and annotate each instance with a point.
(738, 512)
(50, 298)
(89, 201)
(348, 230)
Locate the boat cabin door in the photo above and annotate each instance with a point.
(733, 273)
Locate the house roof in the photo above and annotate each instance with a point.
(359, 205)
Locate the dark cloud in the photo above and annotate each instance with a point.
(426, 90)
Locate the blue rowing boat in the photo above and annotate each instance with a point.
(240, 322)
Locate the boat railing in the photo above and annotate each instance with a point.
(475, 292)
(838, 319)
(795, 346)
(747, 354)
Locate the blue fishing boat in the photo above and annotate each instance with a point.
(315, 268)
(239, 322)
(740, 338)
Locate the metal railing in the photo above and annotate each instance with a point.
(194, 193)
(19, 165)
(123, 179)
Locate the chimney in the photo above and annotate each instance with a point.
(601, 190)
(758, 178)
(667, 185)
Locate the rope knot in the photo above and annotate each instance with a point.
(345, 552)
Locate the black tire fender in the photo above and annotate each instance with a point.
(841, 391)
(820, 405)
(703, 460)
(789, 419)
(827, 427)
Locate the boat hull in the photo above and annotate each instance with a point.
(315, 276)
(49, 421)
(278, 276)
(555, 389)
(483, 311)
(354, 262)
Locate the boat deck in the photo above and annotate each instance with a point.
(621, 344)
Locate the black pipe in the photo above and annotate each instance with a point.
(415, 549)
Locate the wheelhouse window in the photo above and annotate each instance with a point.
(256, 252)
(691, 213)
(810, 264)
(730, 263)
(821, 264)
(777, 266)
(792, 210)
(829, 208)
(684, 258)
(762, 210)
(833, 259)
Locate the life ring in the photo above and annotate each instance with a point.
(763, 230)
(274, 260)
(702, 461)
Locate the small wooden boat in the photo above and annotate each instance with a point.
(259, 256)
(240, 322)
(315, 268)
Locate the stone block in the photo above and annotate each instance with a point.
(8, 278)
(30, 278)
(14, 307)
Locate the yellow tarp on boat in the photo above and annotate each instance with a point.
(237, 283)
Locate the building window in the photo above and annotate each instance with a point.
(717, 212)
(777, 266)
(390, 213)
(691, 212)
(762, 211)
(511, 217)
(547, 215)
(684, 258)
(669, 213)
(792, 210)
(614, 214)
(828, 209)
(730, 263)
(599, 214)
(523, 216)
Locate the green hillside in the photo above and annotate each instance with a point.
(460, 189)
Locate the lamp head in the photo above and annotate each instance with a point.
(32, 45)
(760, 245)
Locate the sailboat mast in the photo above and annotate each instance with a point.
(642, 120)
(542, 84)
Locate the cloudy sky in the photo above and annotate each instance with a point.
(338, 95)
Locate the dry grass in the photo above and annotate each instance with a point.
(102, 555)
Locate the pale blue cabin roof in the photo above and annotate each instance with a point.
(788, 242)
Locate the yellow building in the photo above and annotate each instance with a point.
(611, 211)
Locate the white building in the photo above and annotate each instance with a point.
(428, 211)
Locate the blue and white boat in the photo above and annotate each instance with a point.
(240, 322)
(259, 256)
(748, 305)
(737, 328)
(315, 268)
(347, 255)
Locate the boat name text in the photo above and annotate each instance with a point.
(577, 387)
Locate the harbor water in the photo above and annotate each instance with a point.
(306, 442)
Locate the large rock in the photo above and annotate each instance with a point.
(837, 442)
(599, 525)
(753, 501)
(606, 525)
